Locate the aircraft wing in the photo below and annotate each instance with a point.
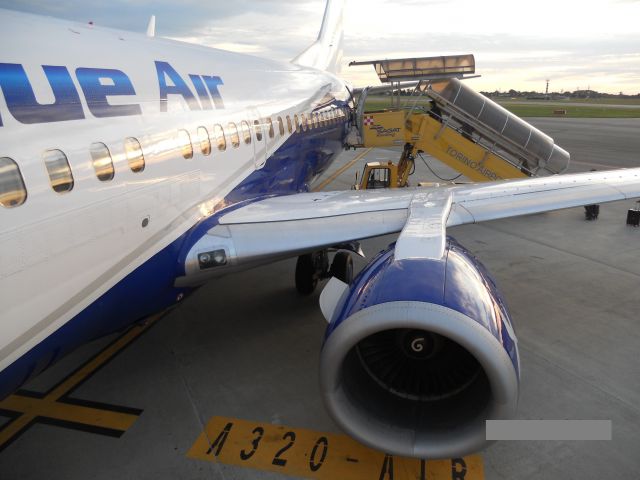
(281, 227)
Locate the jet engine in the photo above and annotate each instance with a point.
(418, 354)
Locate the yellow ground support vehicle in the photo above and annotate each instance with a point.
(387, 174)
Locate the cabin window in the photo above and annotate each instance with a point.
(303, 122)
(135, 157)
(289, 126)
(233, 133)
(297, 122)
(205, 141)
(258, 129)
(270, 123)
(218, 133)
(246, 132)
(59, 171)
(184, 140)
(280, 126)
(12, 190)
(102, 162)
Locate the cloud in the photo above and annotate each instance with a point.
(564, 41)
(608, 62)
(173, 18)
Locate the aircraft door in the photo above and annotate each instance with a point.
(260, 134)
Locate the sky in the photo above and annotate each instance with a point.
(517, 45)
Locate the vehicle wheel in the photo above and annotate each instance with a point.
(306, 278)
(342, 267)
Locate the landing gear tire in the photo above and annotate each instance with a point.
(309, 269)
(342, 267)
(306, 281)
(591, 212)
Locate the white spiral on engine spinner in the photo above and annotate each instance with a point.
(417, 345)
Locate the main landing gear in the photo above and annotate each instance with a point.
(313, 267)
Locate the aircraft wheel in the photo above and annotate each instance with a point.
(308, 273)
(342, 267)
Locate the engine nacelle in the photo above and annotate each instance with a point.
(419, 354)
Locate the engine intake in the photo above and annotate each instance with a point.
(417, 364)
(418, 378)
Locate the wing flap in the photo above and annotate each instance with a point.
(255, 241)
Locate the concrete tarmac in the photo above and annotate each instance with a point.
(247, 346)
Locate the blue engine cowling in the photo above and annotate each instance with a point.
(419, 354)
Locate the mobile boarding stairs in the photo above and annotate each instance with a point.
(448, 120)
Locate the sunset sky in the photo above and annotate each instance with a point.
(516, 45)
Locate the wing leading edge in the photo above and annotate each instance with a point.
(359, 214)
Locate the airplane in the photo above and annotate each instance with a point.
(133, 169)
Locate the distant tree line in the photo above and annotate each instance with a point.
(575, 94)
(532, 95)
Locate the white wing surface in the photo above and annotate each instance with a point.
(302, 222)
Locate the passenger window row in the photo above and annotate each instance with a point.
(14, 193)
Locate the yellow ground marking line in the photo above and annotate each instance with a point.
(15, 428)
(52, 405)
(338, 172)
(54, 409)
(310, 454)
(103, 357)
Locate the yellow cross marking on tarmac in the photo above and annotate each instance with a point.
(52, 408)
(55, 407)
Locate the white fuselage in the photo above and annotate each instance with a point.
(62, 251)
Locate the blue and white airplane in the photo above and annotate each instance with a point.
(133, 169)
